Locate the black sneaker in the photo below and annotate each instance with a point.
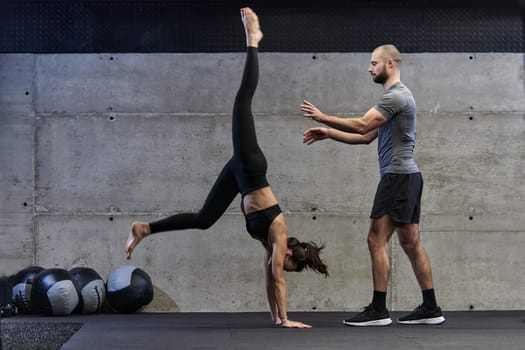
(422, 315)
(369, 317)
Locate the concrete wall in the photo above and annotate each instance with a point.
(89, 143)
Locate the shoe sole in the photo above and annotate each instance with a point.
(382, 322)
(431, 321)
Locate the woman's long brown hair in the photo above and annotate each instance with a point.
(307, 255)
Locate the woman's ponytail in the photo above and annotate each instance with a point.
(307, 255)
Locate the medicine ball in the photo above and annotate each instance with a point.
(55, 292)
(129, 289)
(22, 283)
(92, 288)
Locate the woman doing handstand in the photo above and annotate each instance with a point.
(246, 173)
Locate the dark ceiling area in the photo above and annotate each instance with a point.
(289, 26)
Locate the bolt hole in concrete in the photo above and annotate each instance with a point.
(111, 218)
(314, 217)
(471, 218)
(27, 93)
(314, 57)
(111, 118)
(25, 204)
(471, 307)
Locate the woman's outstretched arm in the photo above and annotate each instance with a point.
(279, 240)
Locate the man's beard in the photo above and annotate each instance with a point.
(381, 77)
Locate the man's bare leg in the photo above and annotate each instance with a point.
(428, 312)
(381, 229)
(409, 238)
(138, 231)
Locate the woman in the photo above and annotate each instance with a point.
(246, 173)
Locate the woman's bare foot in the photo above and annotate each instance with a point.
(138, 231)
(251, 27)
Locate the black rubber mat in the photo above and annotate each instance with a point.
(478, 330)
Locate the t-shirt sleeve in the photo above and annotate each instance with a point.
(388, 105)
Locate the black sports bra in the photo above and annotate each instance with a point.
(258, 222)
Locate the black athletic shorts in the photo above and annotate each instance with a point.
(399, 195)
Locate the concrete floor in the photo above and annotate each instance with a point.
(463, 330)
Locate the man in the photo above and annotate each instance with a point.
(397, 201)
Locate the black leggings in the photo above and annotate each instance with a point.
(245, 171)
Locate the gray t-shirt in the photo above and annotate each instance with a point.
(397, 137)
